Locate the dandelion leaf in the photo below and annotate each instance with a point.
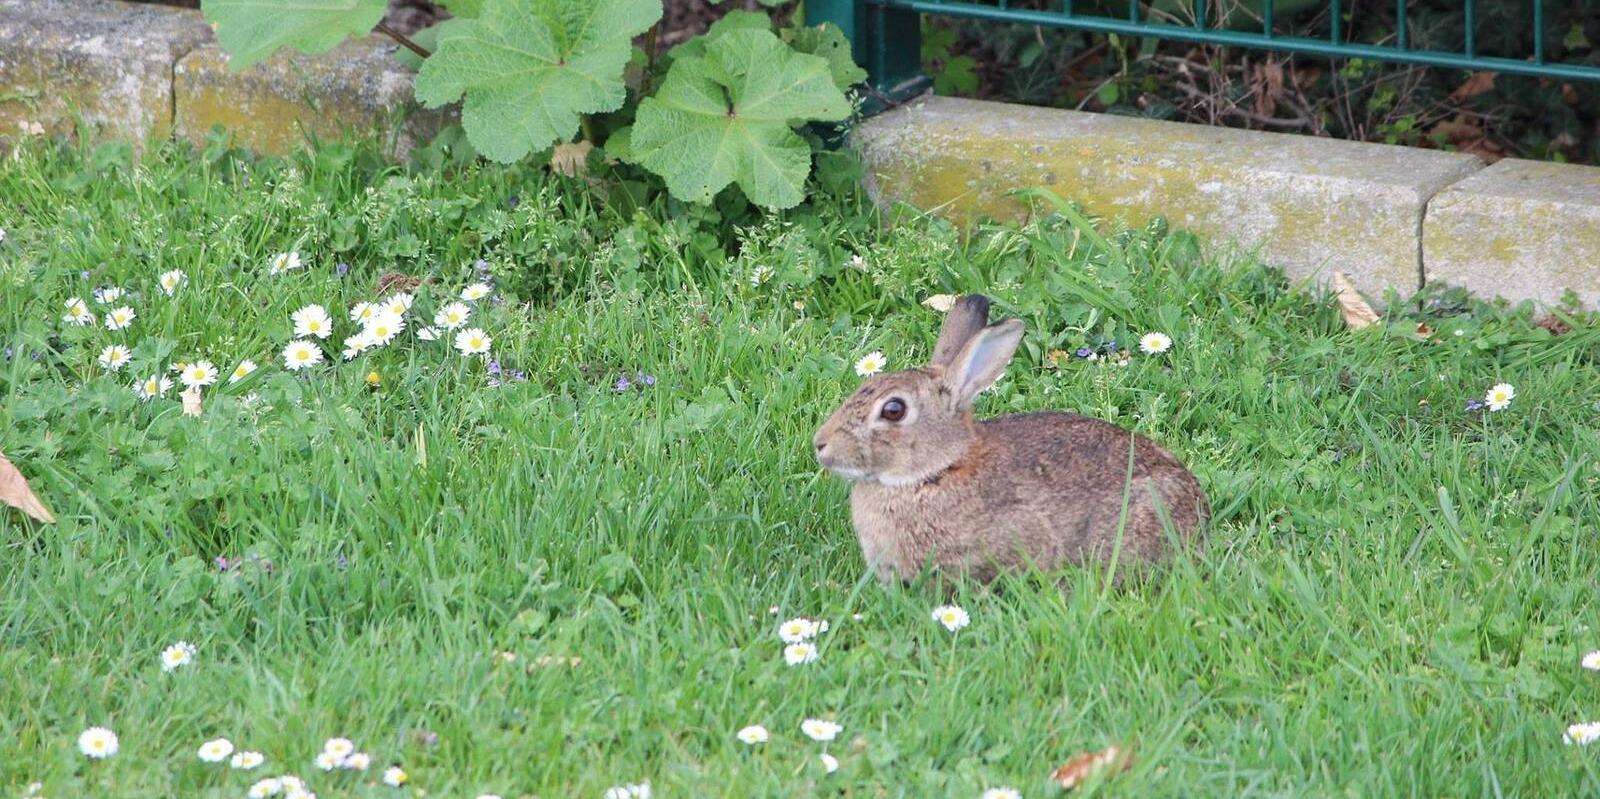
(529, 69)
(14, 491)
(725, 118)
(252, 30)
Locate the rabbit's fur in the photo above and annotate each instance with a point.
(939, 488)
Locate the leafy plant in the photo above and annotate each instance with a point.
(726, 107)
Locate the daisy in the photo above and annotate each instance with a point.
(301, 354)
(488, 796)
(753, 734)
(291, 783)
(247, 760)
(1155, 343)
(830, 763)
(120, 318)
(312, 320)
(283, 262)
(821, 730)
(108, 295)
(1499, 397)
(1002, 793)
(760, 274)
(358, 761)
(1591, 661)
(154, 386)
(270, 786)
(640, 791)
(216, 751)
(870, 364)
(114, 357)
(355, 345)
(242, 371)
(1582, 734)
(98, 743)
(797, 654)
(327, 761)
(363, 312)
(399, 304)
(339, 747)
(800, 629)
(180, 367)
(199, 374)
(170, 281)
(951, 616)
(396, 776)
(452, 316)
(177, 656)
(77, 312)
(476, 291)
(473, 341)
(857, 262)
(428, 333)
(383, 328)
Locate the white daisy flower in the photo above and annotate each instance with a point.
(114, 357)
(77, 312)
(640, 791)
(339, 747)
(800, 629)
(283, 262)
(476, 291)
(383, 328)
(120, 318)
(399, 304)
(396, 776)
(327, 761)
(107, 295)
(488, 796)
(180, 367)
(177, 656)
(870, 364)
(1002, 793)
(1582, 734)
(857, 262)
(830, 763)
(170, 281)
(291, 783)
(2, 235)
(428, 333)
(821, 729)
(216, 750)
(951, 616)
(452, 316)
(1591, 661)
(298, 793)
(154, 386)
(800, 653)
(473, 341)
(312, 320)
(760, 274)
(199, 374)
(98, 743)
(1155, 343)
(355, 345)
(245, 761)
(363, 311)
(301, 354)
(753, 734)
(271, 786)
(242, 371)
(357, 761)
(1500, 396)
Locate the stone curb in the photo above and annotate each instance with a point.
(143, 72)
(1391, 217)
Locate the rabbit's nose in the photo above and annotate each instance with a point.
(820, 445)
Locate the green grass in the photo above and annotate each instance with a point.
(1393, 600)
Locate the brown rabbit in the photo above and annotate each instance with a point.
(934, 486)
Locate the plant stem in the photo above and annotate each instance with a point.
(588, 128)
(405, 41)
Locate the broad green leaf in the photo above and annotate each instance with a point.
(725, 118)
(530, 68)
(736, 20)
(462, 8)
(251, 30)
(828, 42)
(427, 38)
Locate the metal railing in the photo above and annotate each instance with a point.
(886, 36)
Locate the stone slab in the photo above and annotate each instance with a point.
(1518, 230)
(271, 107)
(110, 63)
(1310, 205)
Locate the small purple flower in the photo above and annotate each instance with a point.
(428, 737)
(8, 353)
(482, 267)
(222, 563)
(1084, 352)
(497, 300)
(519, 375)
(341, 562)
(622, 384)
(513, 201)
(343, 269)
(1111, 347)
(645, 378)
(83, 275)
(1476, 404)
(494, 367)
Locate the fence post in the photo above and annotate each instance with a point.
(886, 41)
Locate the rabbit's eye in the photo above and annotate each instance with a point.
(894, 410)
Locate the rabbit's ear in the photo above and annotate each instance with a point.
(969, 315)
(982, 360)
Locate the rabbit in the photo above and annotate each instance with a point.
(932, 486)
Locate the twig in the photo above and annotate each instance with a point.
(404, 40)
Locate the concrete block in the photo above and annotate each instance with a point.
(109, 62)
(1310, 205)
(1522, 230)
(356, 87)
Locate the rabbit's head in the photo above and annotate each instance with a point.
(901, 428)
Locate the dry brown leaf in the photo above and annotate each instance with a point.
(191, 401)
(1479, 83)
(570, 158)
(1554, 325)
(398, 281)
(1355, 310)
(1267, 84)
(941, 302)
(14, 491)
(1423, 331)
(1080, 767)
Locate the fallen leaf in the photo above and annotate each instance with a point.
(1080, 767)
(941, 302)
(569, 158)
(191, 401)
(14, 491)
(1478, 83)
(1357, 313)
(398, 281)
(1423, 331)
(1555, 326)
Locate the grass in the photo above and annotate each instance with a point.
(1393, 600)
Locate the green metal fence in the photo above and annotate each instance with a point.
(886, 35)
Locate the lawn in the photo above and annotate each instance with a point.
(570, 575)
